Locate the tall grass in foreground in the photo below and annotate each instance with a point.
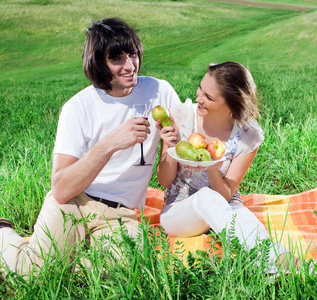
(145, 268)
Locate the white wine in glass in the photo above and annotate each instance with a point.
(141, 111)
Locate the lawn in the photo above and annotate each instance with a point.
(40, 62)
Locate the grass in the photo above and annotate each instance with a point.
(307, 3)
(40, 62)
(148, 273)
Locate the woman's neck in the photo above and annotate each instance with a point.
(219, 127)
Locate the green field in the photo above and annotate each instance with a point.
(40, 62)
(301, 3)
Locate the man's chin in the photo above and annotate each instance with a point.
(132, 83)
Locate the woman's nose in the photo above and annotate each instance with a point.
(199, 99)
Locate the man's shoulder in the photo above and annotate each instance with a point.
(87, 91)
(83, 95)
(154, 83)
(153, 80)
(81, 99)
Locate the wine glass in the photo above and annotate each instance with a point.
(141, 111)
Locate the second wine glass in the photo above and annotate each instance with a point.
(141, 111)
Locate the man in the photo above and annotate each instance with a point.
(97, 147)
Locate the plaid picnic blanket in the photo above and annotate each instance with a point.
(290, 219)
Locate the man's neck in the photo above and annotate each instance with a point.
(121, 92)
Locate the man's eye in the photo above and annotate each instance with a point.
(133, 55)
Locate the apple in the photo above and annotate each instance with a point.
(216, 149)
(197, 140)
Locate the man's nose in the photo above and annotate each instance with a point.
(129, 64)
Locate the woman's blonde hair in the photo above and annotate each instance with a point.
(237, 87)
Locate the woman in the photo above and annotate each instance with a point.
(197, 200)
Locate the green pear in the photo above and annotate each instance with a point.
(204, 154)
(185, 150)
(159, 113)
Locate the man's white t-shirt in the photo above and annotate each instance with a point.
(92, 114)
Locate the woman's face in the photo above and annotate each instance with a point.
(209, 99)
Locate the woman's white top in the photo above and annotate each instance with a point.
(243, 140)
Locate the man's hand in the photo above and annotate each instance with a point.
(129, 133)
(71, 176)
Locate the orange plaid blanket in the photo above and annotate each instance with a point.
(290, 219)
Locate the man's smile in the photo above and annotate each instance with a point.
(127, 74)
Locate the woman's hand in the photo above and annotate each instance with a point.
(194, 169)
(167, 167)
(216, 166)
(170, 135)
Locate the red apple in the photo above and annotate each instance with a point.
(197, 140)
(216, 149)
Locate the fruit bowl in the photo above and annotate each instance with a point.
(192, 163)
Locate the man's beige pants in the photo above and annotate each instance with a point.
(21, 255)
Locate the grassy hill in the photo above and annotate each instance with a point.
(41, 69)
(40, 62)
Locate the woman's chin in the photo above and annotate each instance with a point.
(202, 112)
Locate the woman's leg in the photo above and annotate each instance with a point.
(182, 219)
(207, 209)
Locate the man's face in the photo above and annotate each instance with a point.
(124, 69)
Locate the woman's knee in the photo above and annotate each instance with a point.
(209, 198)
(210, 205)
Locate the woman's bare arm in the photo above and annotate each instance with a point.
(238, 168)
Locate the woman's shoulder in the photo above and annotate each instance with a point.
(252, 129)
(247, 137)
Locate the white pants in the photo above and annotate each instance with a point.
(206, 210)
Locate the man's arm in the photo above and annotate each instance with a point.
(71, 176)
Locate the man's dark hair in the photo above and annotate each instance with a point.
(108, 38)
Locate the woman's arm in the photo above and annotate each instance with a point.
(167, 167)
(238, 168)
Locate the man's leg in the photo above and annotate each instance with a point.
(105, 223)
(20, 255)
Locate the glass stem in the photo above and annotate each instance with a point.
(142, 162)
